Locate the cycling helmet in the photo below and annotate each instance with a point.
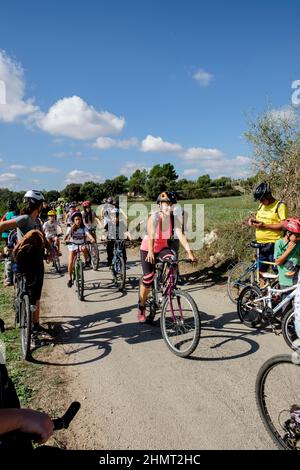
(12, 205)
(76, 214)
(292, 225)
(34, 196)
(86, 204)
(261, 191)
(167, 196)
(51, 213)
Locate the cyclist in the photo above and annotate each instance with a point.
(104, 211)
(52, 230)
(78, 234)
(44, 212)
(155, 244)
(10, 214)
(287, 253)
(60, 214)
(72, 209)
(297, 308)
(271, 213)
(89, 217)
(116, 230)
(33, 270)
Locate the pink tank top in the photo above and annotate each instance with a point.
(161, 236)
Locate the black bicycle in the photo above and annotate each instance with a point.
(23, 313)
(119, 265)
(277, 392)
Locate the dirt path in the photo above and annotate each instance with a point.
(134, 392)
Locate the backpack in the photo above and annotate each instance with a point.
(30, 249)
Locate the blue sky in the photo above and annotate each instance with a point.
(98, 88)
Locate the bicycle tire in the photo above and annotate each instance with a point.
(249, 316)
(25, 326)
(56, 263)
(288, 328)
(261, 394)
(94, 256)
(180, 327)
(80, 280)
(120, 273)
(236, 281)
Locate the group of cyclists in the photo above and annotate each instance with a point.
(37, 225)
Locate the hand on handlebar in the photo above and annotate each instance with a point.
(35, 422)
(192, 258)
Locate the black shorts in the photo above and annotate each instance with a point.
(34, 281)
(266, 253)
(149, 268)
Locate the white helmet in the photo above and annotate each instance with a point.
(34, 196)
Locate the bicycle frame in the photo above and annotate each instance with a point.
(267, 300)
(168, 287)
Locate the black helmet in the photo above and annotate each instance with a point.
(167, 196)
(12, 205)
(263, 190)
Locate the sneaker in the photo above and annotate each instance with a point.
(141, 313)
(7, 283)
(34, 340)
(70, 283)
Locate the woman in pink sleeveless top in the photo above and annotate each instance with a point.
(156, 244)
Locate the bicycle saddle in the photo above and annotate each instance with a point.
(254, 245)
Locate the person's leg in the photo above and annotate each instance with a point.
(110, 251)
(145, 285)
(72, 255)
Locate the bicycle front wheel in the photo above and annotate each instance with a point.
(25, 326)
(249, 308)
(80, 280)
(119, 272)
(240, 276)
(277, 392)
(57, 264)
(180, 323)
(94, 254)
(288, 329)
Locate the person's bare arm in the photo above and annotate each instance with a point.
(26, 421)
(7, 225)
(183, 240)
(151, 234)
(286, 254)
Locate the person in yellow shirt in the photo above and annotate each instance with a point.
(268, 222)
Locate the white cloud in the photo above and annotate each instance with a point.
(79, 176)
(105, 143)
(199, 153)
(237, 167)
(8, 179)
(202, 77)
(157, 144)
(73, 117)
(191, 172)
(17, 167)
(60, 154)
(131, 167)
(13, 105)
(44, 169)
(284, 114)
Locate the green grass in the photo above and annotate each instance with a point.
(22, 373)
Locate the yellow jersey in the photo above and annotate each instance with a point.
(272, 214)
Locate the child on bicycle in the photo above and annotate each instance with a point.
(52, 230)
(77, 235)
(287, 253)
(116, 230)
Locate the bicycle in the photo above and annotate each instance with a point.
(277, 393)
(180, 321)
(244, 274)
(23, 313)
(16, 440)
(256, 309)
(119, 265)
(94, 252)
(54, 256)
(78, 273)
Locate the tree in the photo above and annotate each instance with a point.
(137, 182)
(166, 170)
(72, 192)
(204, 182)
(52, 195)
(276, 154)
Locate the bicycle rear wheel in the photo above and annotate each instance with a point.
(180, 323)
(248, 309)
(119, 272)
(25, 326)
(277, 392)
(94, 255)
(240, 276)
(79, 279)
(288, 329)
